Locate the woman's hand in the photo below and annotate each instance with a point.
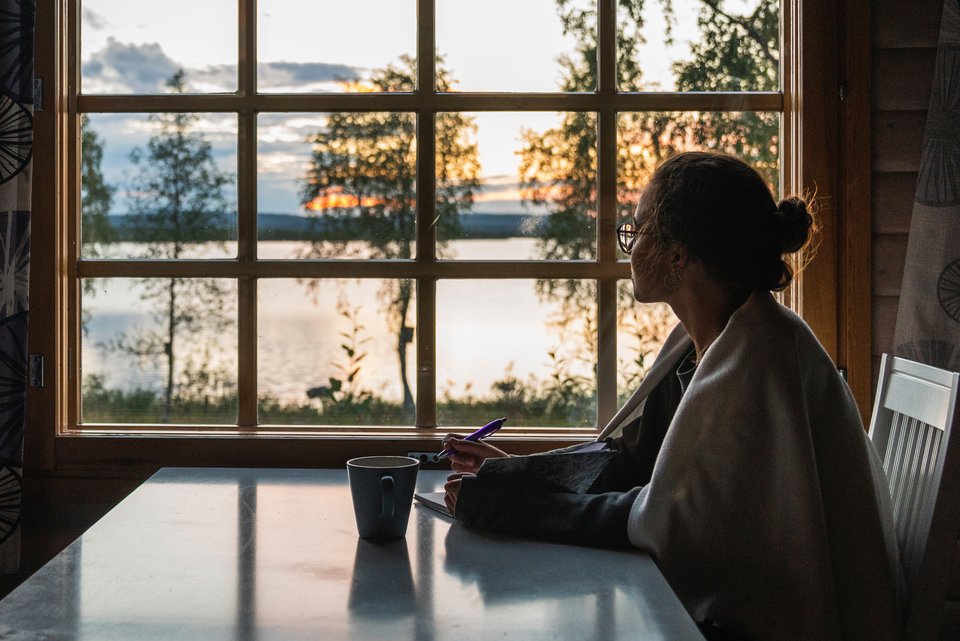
(467, 456)
(452, 490)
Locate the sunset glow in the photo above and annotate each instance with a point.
(334, 198)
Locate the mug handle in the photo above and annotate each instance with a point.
(388, 506)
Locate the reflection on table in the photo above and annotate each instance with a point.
(273, 554)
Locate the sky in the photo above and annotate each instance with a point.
(308, 45)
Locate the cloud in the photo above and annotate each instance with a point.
(93, 20)
(302, 76)
(145, 68)
(128, 68)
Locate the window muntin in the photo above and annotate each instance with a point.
(256, 264)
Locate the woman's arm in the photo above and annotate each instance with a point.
(513, 504)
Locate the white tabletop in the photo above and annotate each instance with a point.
(265, 554)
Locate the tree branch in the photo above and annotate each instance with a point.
(751, 32)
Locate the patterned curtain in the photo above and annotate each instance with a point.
(16, 143)
(928, 320)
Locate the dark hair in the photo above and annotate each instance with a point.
(723, 213)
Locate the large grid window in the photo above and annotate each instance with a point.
(327, 216)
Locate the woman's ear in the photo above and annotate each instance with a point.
(678, 257)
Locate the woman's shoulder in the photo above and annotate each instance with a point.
(765, 331)
(765, 316)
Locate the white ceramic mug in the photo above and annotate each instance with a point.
(382, 489)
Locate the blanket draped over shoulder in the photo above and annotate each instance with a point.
(768, 510)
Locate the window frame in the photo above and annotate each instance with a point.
(808, 116)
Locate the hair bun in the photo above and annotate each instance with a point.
(794, 224)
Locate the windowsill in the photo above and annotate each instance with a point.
(107, 451)
(378, 432)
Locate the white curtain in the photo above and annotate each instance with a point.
(928, 320)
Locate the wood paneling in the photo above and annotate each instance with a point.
(902, 78)
(897, 140)
(884, 322)
(889, 254)
(906, 23)
(893, 202)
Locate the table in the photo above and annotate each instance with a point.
(244, 554)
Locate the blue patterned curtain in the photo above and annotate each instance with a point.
(16, 144)
(928, 320)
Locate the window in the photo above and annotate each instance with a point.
(333, 218)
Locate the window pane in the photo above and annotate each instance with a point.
(644, 139)
(691, 45)
(328, 352)
(516, 185)
(332, 46)
(499, 45)
(158, 185)
(522, 349)
(160, 350)
(343, 184)
(641, 331)
(138, 47)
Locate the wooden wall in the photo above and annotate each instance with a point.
(905, 34)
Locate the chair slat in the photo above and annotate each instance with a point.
(916, 398)
(914, 414)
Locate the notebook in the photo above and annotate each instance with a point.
(434, 501)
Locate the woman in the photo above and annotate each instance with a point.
(741, 464)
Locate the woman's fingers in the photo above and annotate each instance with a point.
(464, 464)
(451, 491)
(450, 436)
(478, 449)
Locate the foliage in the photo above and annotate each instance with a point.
(103, 404)
(177, 203)
(361, 185)
(344, 399)
(96, 196)
(736, 53)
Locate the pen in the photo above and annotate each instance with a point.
(481, 433)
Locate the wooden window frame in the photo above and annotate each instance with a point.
(809, 126)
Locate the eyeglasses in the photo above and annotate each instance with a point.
(627, 234)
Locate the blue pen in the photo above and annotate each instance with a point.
(481, 433)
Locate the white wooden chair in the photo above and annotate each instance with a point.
(914, 421)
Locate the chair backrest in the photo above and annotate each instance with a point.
(914, 419)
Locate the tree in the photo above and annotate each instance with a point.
(736, 53)
(96, 196)
(360, 188)
(558, 167)
(177, 204)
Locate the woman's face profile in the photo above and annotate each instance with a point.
(646, 261)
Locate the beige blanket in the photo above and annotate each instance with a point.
(768, 510)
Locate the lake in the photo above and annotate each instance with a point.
(303, 328)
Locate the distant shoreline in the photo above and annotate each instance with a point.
(271, 226)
